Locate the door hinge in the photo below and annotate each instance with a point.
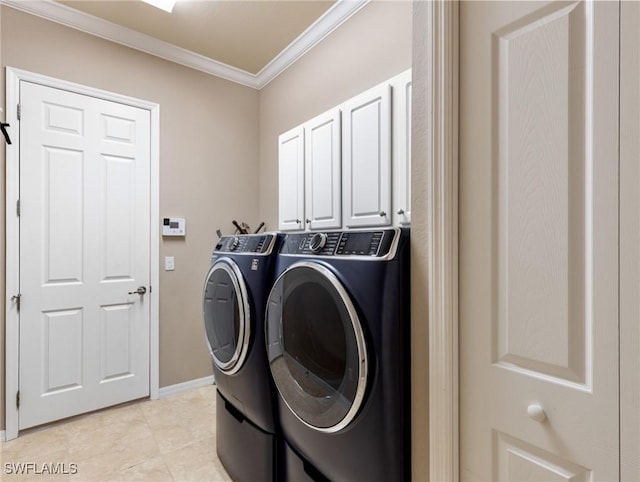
(18, 399)
(16, 299)
(18, 208)
(19, 112)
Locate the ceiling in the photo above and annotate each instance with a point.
(246, 41)
(244, 34)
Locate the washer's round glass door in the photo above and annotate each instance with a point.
(316, 348)
(226, 315)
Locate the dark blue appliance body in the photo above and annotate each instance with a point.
(337, 321)
(234, 300)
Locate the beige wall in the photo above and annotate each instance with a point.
(629, 235)
(420, 142)
(372, 46)
(419, 249)
(208, 162)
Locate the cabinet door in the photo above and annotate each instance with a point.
(323, 183)
(291, 180)
(401, 148)
(366, 159)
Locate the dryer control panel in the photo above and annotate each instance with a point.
(372, 244)
(261, 244)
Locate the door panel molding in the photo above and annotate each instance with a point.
(544, 201)
(12, 281)
(519, 460)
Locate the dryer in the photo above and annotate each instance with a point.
(337, 333)
(234, 300)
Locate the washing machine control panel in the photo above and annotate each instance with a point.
(360, 244)
(249, 244)
(373, 244)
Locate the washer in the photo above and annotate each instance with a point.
(337, 326)
(234, 300)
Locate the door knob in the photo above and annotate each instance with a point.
(140, 291)
(536, 412)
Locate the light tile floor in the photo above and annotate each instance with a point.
(171, 439)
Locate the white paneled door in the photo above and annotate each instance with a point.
(84, 251)
(538, 227)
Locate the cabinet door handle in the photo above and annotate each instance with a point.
(308, 221)
(400, 212)
(382, 214)
(298, 221)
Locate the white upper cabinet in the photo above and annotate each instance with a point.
(401, 148)
(291, 180)
(366, 158)
(351, 166)
(323, 171)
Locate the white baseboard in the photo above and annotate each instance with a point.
(184, 386)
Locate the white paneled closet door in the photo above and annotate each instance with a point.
(538, 230)
(84, 250)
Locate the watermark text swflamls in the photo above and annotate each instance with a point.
(32, 468)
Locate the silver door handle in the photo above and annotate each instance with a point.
(140, 291)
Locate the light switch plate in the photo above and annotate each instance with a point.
(169, 263)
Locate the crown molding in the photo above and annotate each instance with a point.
(59, 13)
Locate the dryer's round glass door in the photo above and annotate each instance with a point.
(316, 348)
(226, 315)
